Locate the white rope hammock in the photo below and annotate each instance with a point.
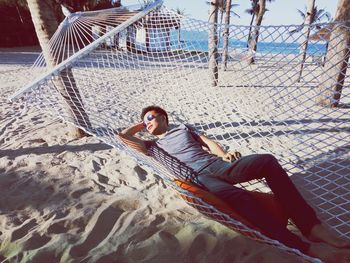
(109, 64)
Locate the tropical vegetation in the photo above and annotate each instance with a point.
(16, 21)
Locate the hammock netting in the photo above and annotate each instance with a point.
(107, 65)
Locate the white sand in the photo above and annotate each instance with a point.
(81, 201)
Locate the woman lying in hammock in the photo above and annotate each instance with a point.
(218, 171)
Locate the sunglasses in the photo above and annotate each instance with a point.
(149, 118)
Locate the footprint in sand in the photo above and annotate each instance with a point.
(198, 245)
(141, 173)
(77, 194)
(6, 126)
(102, 179)
(100, 231)
(57, 161)
(23, 230)
(57, 228)
(159, 220)
(101, 187)
(38, 141)
(169, 240)
(19, 129)
(36, 241)
(37, 120)
(96, 166)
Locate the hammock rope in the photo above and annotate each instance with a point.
(111, 63)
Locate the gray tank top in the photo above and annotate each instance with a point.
(182, 143)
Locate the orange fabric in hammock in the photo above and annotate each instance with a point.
(267, 201)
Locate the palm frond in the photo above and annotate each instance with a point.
(180, 11)
(249, 11)
(302, 13)
(297, 29)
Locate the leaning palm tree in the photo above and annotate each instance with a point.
(45, 25)
(314, 15)
(253, 11)
(17, 4)
(180, 12)
(213, 42)
(215, 6)
(308, 20)
(226, 7)
(337, 58)
(254, 34)
(311, 15)
(145, 3)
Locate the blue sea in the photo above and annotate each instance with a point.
(199, 42)
(264, 47)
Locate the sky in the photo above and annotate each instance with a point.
(281, 12)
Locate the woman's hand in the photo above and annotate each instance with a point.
(232, 156)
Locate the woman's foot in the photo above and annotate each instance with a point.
(329, 254)
(320, 233)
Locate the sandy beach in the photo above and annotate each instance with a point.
(80, 200)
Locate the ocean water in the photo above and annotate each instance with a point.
(271, 43)
(263, 47)
(199, 42)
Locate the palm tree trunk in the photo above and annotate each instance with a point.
(19, 13)
(213, 43)
(45, 25)
(255, 35)
(250, 29)
(306, 32)
(337, 58)
(226, 34)
(147, 39)
(179, 31)
(220, 27)
(178, 22)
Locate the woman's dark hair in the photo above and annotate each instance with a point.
(157, 109)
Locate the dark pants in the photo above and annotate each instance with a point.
(220, 176)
